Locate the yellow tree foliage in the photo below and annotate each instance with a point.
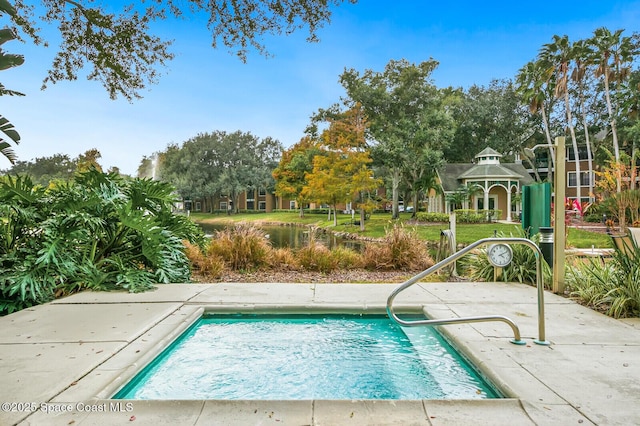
(342, 173)
(290, 175)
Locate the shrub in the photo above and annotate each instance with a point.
(100, 231)
(613, 287)
(242, 247)
(432, 217)
(400, 249)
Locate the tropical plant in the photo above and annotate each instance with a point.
(613, 55)
(558, 57)
(8, 60)
(461, 196)
(612, 287)
(100, 231)
(536, 89)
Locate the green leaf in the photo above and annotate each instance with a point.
(8, 129)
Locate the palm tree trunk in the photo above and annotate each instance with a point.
(575, 146)
(589, 155)
(614, 132)
(552, 153)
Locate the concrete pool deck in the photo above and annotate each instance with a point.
(62, 361)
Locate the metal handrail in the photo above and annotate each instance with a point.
(516, 331)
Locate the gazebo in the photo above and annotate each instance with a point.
(498, 183)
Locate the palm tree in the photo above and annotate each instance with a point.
(558, 56)
(613, 55)
(581, 52)
(533, 84)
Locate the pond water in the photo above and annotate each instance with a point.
(294, 237)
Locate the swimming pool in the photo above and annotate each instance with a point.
(300, 357)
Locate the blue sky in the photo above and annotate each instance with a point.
(204, 90)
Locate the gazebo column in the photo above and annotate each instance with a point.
(509, 204)
(485, 206)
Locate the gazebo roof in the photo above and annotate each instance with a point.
(489, 171)
(488, 151)
(454, 175)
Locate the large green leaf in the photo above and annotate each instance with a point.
(6, 7)
(8, 129)
(7, 151)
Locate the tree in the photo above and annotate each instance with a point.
(124, 55)
(342, 172)
(396, 103)
(43, 170)
(534, 85)
(613, 54)
(56, 168)
(463, 195)
(558, 57)
(220, 163)
(291, 173)
(581, 75)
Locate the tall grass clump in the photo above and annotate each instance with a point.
(612, 287)
(347, 258)
(284, 259)
(316, 257)
(207, 266)
(400, 249)
(242, 247)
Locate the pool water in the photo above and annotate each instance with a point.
(276, 357)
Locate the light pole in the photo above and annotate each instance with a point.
(530, 153)
(559, 238)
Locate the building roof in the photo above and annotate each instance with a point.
(489, 170)
(488, 151)
(453, 175)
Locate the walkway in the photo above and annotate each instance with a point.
(74, 353)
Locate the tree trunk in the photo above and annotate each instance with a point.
(614, 132)
(415, 204)
(395, 184)
(575, 149)
(362, 218)
(551, 167)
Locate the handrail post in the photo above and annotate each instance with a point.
(516, 340)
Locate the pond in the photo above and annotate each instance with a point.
(294, 237)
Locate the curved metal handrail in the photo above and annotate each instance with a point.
(516, 331)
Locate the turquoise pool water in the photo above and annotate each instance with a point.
(268, 357)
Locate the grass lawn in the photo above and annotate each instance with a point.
(377, 225)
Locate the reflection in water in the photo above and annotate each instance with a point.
(293, 237)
